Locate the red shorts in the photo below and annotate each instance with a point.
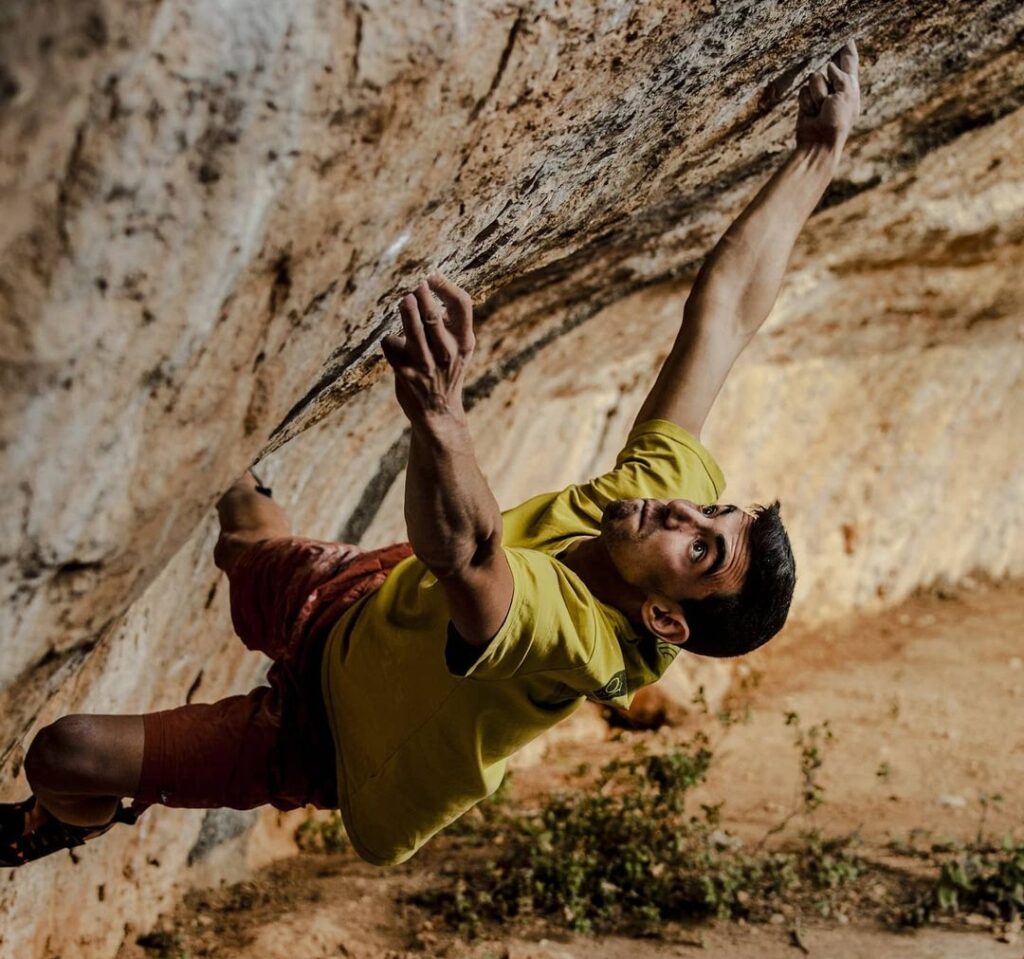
(272, 745)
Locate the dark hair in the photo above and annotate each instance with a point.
(736, 623)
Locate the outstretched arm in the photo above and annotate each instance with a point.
(452, 516)
(740, 280)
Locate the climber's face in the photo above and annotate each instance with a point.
(678, 549)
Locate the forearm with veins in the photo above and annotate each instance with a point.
(743, 274)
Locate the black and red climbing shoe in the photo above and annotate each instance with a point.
(18, 847)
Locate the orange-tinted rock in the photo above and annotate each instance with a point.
(210, 210)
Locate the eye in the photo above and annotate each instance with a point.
(709, 510)
(698, 551)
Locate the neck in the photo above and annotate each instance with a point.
(589, 560)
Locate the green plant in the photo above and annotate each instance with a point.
(981, 881)
(811, 743)
(986, 800)
(981, 877)
(633, 850)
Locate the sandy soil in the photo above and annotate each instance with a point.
(923, 703)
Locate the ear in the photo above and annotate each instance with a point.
(664, 617)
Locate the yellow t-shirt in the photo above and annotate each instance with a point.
(422, 737)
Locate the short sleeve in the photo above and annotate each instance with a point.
(460, 657)
(546, 626)
(659, 461)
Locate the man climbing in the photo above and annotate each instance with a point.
(404, 677)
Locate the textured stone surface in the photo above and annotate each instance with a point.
(210, 209)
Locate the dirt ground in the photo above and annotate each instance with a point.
(923, 702)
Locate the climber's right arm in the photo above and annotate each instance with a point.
(741, 277)
(452, 516)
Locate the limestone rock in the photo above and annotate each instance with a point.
(210, 210)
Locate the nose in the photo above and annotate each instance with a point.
(684, 512)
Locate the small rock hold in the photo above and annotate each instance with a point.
(9, 86)
(96, 29)
(207, 173)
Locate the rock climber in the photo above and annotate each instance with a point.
(403, 678)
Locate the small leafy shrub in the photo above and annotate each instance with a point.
(628, 852)
(987, 881)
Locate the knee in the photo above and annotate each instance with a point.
(64, 755)
(227, 550)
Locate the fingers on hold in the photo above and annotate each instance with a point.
(397, 357)
(451, 295)
(412, 324)
(819, 88)
(438, 281)
(848, 58)
(404, 312)
(459, 305)
(838, 79)
(393, 347)
(424, 303)
(807, 101)
(427, 305)
(433, 319)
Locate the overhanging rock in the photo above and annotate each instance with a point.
(210, 210)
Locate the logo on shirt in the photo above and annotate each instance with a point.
(667, 651)
(615, 687)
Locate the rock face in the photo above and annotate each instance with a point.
(211, 208)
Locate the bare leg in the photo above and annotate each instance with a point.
(246, 517)
(80, 766)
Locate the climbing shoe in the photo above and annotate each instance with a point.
(18, 847)
(260, 488)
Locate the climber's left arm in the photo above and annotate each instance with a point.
(452, 516)
(741, 277)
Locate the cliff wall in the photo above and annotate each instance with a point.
(211, 208)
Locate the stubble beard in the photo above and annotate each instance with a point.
(618, 522)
